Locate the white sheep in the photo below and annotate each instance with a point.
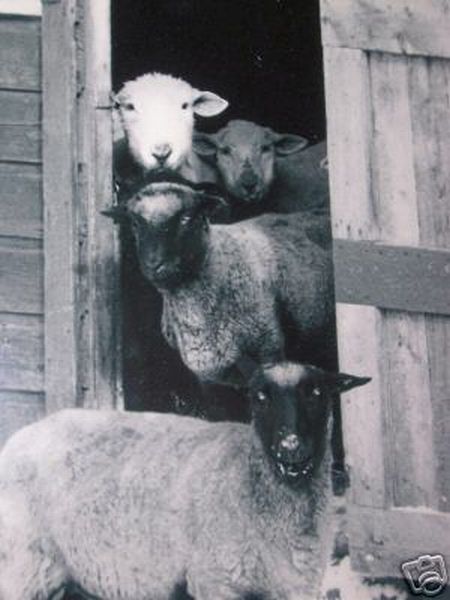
(136, 506)
(265, 171)
(260, 289)
(155, 125)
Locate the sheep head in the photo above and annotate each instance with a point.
(291, 406)
(170, 225)
(245, 156)
(156, 112)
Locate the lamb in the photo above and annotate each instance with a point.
(159, 503)
(155, 126)
(251, 292)
(265, 171)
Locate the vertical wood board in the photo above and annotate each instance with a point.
(60, 195)
(21, 277)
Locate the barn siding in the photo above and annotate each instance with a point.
(386, 65)
(22, 397)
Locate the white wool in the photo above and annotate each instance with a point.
(158, 118)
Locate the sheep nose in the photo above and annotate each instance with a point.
(162, 152)
(161, 268)
(290, 442)
(249, 186)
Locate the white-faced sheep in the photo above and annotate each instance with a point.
(138, 506)
(259, 289)
(264, 171)
(156, 117)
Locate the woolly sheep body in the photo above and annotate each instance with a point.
(124, 522)
(257, 272)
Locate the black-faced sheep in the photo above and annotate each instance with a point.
(155, 126)
(134, 507)
(264, 171)
(259, 289)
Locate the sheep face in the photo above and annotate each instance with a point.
(170, 226)
(245, 156)
(157, 115)
(291, 405)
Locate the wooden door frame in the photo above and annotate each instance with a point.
(82, 294)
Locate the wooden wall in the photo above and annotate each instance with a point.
(21, 225)
(387, 74)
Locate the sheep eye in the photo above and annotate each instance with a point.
(185, 105)
(266, 148)
(316, 392)
(261, 396)
(226, 151)
(128, 106)
(185, 220)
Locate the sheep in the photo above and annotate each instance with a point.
(154, 119)
(259, 290)
(155, 125)
(265, 171)
(137, 506)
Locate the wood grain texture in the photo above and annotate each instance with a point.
(387, 276)
(19, 409)
(417, 27)
(20, 48)
(20, 108)
(20, 143)
(59, 186)
(77, 185)
(21, 353)
(430, 118)
(21, 277)
(381, 540)
(354, 217)
(21, 210)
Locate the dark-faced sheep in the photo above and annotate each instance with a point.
(128, 506)
(264, 171)
(259, 289)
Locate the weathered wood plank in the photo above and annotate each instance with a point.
(21, 353)
(20, 143)
(21, 211)
(19, 409)
(99, 369)
(20, 108)
(21, 277)
(20, 67)
(349, 150)
(430, 117)
(387, 276)
(381, 540)
(59, 184)
(417, 27)
(404, 335)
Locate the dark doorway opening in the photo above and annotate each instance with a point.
(264, 57)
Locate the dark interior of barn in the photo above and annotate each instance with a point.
(264, 57)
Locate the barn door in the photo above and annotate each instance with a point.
(81, 249)
(387, 74)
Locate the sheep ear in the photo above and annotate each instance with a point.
(286, 143)
(117, 213)
(210, 203)
(207, 104)
(204, 145)
(342, 382)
